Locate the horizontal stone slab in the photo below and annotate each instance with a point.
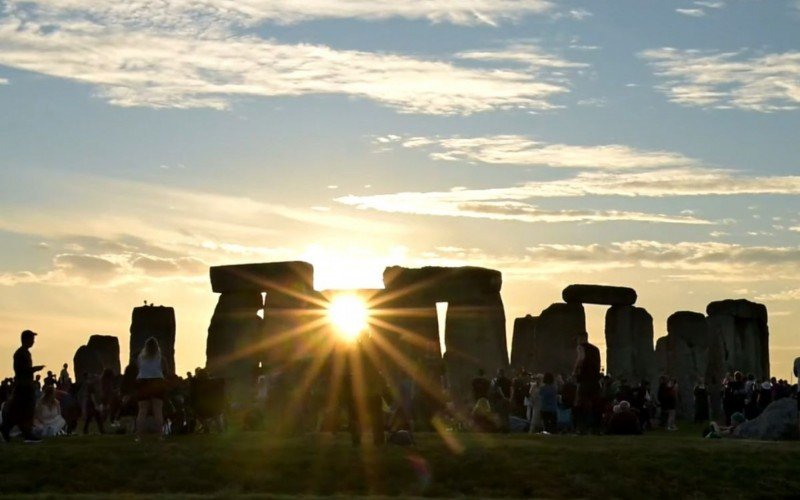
(599, 294)
(295, 276)
(444, 283)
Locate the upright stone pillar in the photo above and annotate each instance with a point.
(688, 356)
(523, 342)
(555, 338)
(744, 332)
(629, 343)
(154, 321)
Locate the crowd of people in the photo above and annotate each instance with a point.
(584, 401)
(587, 401)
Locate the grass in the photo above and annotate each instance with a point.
(257, 465)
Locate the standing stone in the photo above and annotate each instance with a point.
(555, 338)
(523, 342)
(86, 362)
(629, 343)
(599, 294)
(231, 350)
(662, 348)
(744, 335)
(158, 322)
(475, 324)
(688, 356)
(107, 349)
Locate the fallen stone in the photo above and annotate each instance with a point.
(599, 294)
(778, 422)
(295, 277)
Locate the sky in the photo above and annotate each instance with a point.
(644, 143)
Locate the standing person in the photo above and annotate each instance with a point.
(701, 401)
(91, 402)
(587, 376)
(480, 386)
(64, 382)
(548, 395)
(23, 400)
(150, 387)
(671, 403)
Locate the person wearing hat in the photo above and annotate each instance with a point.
(22, 406)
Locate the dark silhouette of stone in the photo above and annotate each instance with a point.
(687, 357)
(777, 422)
(744, 335)
(523, 342)
(232, 349)
(293, 277)
(86, 362)
(475, 323)
(107, 349)
(629, 343)
(154, 321)
(662, 348)
(555, 338)
(599, 294)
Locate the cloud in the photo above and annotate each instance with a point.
(783, 296)
(691, 12)
(523, 150)
(157, 266)
(496, 204)
(161, 63)
(710, 4)
(728, 80)
(513, 203)
(254, 12)
(4, 81)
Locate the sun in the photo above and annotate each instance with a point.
(349, 315)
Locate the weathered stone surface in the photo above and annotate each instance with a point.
(629, 343)
(743, 335)
(687, 359)
(475, 337)
(443, 284)
(740, 308)
(86, 362)
(599, 294)
(294, 277)
(523, 342)
(777, 422)
(107, 349)
(662, 348)
(555, 338)
(232, 347)
(158, 322)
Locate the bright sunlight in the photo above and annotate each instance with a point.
(348, 314)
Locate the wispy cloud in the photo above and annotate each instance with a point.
(170, 62)
(723, 80)
(4, 81)
(253, 12)
(523, 150)
(691, 12)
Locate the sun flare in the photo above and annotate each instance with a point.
(348, 314)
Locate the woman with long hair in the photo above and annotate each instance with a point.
(150, 388)
(47, 420)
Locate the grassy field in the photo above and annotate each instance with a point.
(256, 465)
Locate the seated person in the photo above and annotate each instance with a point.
(483, 419)
(47, 420)
(624, 421)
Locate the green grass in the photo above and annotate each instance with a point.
(255, 464)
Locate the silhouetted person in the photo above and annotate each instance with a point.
(480, 386)
(22, 405)
(150, 386)
(701, 405)
(91, 402)
(363, 388)
(502, 383)
(587, 376)
(624, 420)
(64, 382)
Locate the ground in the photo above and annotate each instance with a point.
(257, 465)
